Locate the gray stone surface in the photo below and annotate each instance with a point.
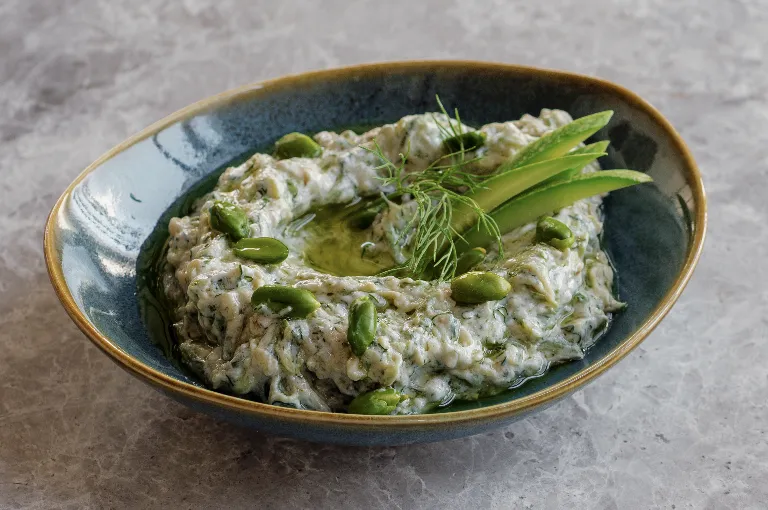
(681, 423)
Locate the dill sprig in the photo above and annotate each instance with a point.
(436, 191)
(457, 210)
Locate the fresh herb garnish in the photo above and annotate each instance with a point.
(457, 210)
(437, 191)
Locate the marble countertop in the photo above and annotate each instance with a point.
(681, 423)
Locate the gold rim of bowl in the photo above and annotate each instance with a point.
(489, 413)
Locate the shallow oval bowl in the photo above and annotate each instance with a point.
(96, 230)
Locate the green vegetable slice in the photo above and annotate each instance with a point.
(566, 175)
(600, 146)
(531, 205)
(503, 186)
(560, 141)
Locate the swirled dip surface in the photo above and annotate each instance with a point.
(427, 347)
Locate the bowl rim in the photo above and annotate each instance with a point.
(489, 413)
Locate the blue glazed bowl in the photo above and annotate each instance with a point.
(121, 203)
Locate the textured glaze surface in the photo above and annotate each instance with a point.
(681, 423)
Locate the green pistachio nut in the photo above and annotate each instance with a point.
(361, 330)
(279, 297)
(297, 145)
(264, 250)
(229, 219)
(381, 402)
(469, 259)
(468, 141)
(478, 287)
(553, 232)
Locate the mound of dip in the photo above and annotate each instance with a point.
(421, 346)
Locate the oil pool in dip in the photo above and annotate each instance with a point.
(413, 346)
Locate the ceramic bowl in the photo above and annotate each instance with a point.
(122, 202)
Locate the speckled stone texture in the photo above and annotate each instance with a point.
(681, 423)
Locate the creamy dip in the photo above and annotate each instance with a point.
(427, 347)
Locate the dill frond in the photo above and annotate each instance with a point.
(436, 191)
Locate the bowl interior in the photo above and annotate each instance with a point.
(114, 219)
